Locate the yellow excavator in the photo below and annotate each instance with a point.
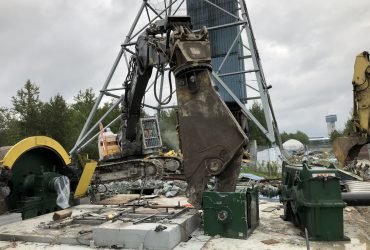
(348, 147)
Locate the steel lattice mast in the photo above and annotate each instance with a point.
(150, 13)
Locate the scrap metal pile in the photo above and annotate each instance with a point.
(156, 187)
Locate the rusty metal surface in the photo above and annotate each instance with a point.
(347, 148)
(119, 199)
(211, 139)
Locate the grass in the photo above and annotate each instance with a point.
(265, 175)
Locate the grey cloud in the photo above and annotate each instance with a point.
(307, 49)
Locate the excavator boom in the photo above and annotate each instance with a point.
(347, 148)
(211, 140)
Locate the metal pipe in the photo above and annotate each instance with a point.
(356, 198)
(118, 101)
(239, 72)
(147, 12)
(265, 98)
(251, 87)
(111, 95)
(107, 81)
(230, 49)
(169, 107)
(97, 134)
(165, 6)
(253, 98)
(149, 106)
(170, 9)
(158, 15)
(128, 44)
(244, 110)
(98, 100)
(178, 7)
(224, 25)
(128, 50)
(114, 89)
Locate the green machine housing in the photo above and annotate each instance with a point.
(29, 172)
(312, 199)
(231, 214)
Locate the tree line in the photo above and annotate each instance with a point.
(348, 129)
(255, 134)
(62, 121)
(29, 116)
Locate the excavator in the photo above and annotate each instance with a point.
(203, 118)
(347, 148)
(37, 171)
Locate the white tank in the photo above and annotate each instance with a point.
(293, 145)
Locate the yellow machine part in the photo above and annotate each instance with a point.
(14, 152)
(85, 179)
(9, 155)
(348, 147)
(361, 82)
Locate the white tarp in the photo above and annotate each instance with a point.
(269, 159)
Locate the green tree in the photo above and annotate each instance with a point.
(56, 122)
(299, 136)
(9, 133)
(110, 117)
(302, 137)
(80, 110)
(334, 135)
(27, 109)
(169, 116)
(3, 125)
(254, 133)
(84, 102)
(168, 124)
(284, 136)
(348, 126)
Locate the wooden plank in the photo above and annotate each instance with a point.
(62, 214)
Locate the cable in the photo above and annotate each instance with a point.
(160, 68)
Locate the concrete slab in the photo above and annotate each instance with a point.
(274, 233)
(10, 218)
(87, 231)
(144, 235)
(197, 241)
(31, 230)
(19, 245)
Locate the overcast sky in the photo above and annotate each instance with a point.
(307, 50)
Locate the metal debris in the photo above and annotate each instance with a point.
(158, 187)
(360, 168)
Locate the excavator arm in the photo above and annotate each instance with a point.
(347, 148)
(211, 140)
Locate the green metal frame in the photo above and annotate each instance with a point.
(231, 214)
(312, 199)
